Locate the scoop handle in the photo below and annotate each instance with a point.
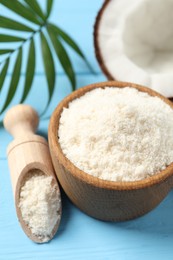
(21, 120)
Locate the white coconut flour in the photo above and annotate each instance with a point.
(40, 204)
(117, 134)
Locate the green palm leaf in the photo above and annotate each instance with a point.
(14, 80)
(12, 24)
(49, 7)
(10, 38)
(70, 42)
(63, 57)
(53, 37)
(21, 10)
(66, 38)
(33, 4)
(5, 51)
(3, 73)
(29, 71)
(48, 65)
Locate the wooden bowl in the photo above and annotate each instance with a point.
(106, 200)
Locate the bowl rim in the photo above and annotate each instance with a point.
(85, 177)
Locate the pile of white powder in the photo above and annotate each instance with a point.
(40, 204)
(117, 134)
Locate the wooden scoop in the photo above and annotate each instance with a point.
(26, 153)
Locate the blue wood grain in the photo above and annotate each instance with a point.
(80, 237)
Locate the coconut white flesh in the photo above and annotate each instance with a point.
(135, 39)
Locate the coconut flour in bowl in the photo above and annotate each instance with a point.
(117, 134)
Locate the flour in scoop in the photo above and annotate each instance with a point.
(40, 204)
(117, 134)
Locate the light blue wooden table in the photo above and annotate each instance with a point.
(79, 236)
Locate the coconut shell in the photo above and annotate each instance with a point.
(97, 47)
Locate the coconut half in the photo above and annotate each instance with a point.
(134, 42)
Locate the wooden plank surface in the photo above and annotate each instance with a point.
(79, 236)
